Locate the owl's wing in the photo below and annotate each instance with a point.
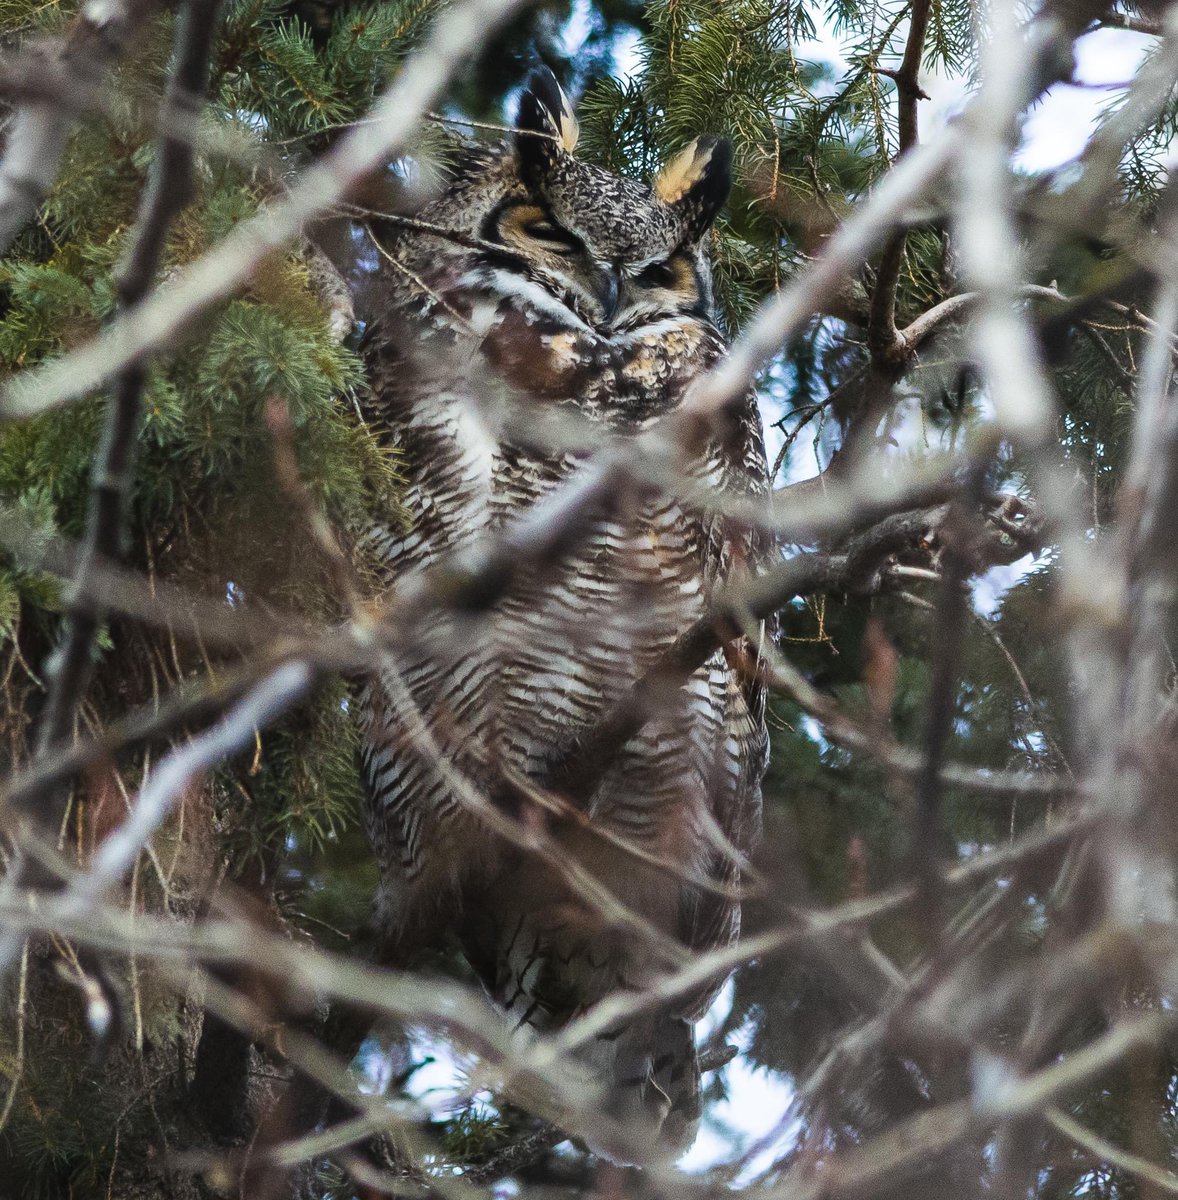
(749, 549)
(733, 548)
(730, 548)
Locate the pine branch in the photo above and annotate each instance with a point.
(70, 74)
(516, 1156)
(164, 316)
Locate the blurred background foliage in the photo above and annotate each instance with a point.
(811, 136)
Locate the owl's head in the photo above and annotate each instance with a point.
(616, 251)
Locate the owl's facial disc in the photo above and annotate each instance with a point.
(651, 239)
(679, 284)
(555, 257)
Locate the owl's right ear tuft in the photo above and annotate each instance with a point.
(696, 182)
(545, 124)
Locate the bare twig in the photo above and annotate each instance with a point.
(950, 619)
(16, 1073)
(176, 773)
(1134, 22)
(901, 760)
(925, 1137)
(169, 191)
(1104, 1151)
(854, 569)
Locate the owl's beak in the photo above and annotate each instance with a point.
(607, 291)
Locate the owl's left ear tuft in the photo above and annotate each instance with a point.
(697, 181)
(544, 110)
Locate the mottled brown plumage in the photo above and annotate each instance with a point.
(589, 296)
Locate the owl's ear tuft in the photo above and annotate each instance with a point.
(545, 123)
(697, 181)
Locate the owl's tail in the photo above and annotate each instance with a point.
(545, 964)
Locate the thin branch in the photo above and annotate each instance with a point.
(578, 767)
(21, 1015)
(955, 307)
(901, 760)
(927, 1136)
(413, 726)
(1104, 1151)
(1134, 22)
(785, 314)
(941, 706)
(991, 631)
(176, 774)
(556, 1091)
(450, 1006)
(169, 191)
(890, 353)
(815, 924)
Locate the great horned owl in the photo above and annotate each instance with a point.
(536, 288)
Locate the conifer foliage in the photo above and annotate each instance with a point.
(203, 508)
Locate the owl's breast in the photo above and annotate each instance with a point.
(657, 361)
(543, 359)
